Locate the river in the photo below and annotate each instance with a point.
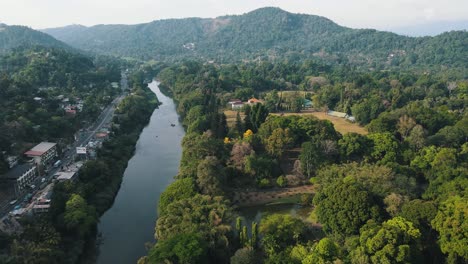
(130, 222)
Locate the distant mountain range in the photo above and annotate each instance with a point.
(18, 36)
(266, 33)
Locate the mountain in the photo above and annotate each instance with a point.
(18, 36)
(267, 33)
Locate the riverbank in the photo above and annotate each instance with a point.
(129, 224)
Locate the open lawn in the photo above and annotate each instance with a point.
(231, 117)
(341, 125)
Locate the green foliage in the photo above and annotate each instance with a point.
(385, 148)
(395, 241)
(267, 31)
(343, 207)
(181, 248)
(277, 143)
(452, 225)
(244, 256)
(280, 230)
(282, 181)
(210, 176)
(208, 216)
(178, 190)
(79, 216)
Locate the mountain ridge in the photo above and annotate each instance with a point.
(265, 33)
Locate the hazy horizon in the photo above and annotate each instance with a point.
(389, 15)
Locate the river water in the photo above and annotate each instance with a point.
(130, 222)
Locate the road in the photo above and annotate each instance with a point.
(68, 155)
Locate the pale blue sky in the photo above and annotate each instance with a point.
(380, 14)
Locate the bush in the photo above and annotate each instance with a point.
(282, 181)
(264, 183)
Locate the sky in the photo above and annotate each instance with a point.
(379, 14)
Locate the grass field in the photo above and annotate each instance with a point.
(341, 125)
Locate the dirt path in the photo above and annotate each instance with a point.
(259, 197)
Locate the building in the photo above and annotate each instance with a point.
(342, 115)
(66, 175)
(254, 100)
(21, 177)
(43, 153)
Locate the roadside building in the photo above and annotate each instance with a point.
(20, 177)
(66, 175)
(43, 153)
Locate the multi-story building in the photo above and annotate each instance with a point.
(43, 153)
(21, 177)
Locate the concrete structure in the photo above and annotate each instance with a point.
(20, 177)
(66, 175)
(237, 106)
(43, 153)
(342, 115)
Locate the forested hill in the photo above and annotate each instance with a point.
(268, 33)
(18, 36)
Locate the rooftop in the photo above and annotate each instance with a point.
(65, 175)
(17, 171)
(40, 149)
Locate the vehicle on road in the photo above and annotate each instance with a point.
(57, 163)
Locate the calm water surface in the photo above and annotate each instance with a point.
(129, 224)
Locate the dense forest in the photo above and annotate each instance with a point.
(395, 195)
(12, 37)
(269, 34)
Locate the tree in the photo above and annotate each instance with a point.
(244, 256)
(417, 137)
(451, 222)
(385, 148)
(310, 158)
(209, 216)
(343, 207)
(279, 140)
(210, 176)
(405, 125)
(395, 241)
(181, 248)
(239, 125)
(257, 116)
(178, 190)
(79, 216)
(240, 150)
(279, 231)
(353, 146)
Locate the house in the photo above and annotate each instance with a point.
(237, 105)
(20, 177)
(70, 112)
(254, 100)
(43, 153)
